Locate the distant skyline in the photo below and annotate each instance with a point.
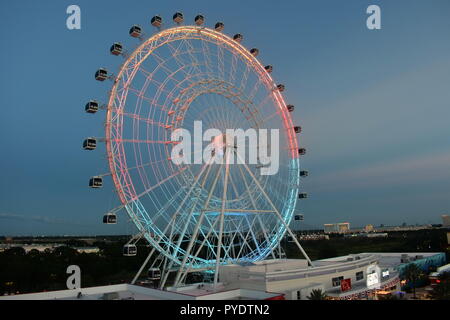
(373, 105)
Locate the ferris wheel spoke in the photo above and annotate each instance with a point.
(189, 248)
(251, 227)
(169, 72)
(144, 120)
(159, 85)
(191, 52)
(255, 89)
(244, 78)
(139, 94)
(238, 232)
(208, 199)
(159, 183)
(175, 52)
(244, 246)
(230, 244)
(171, 202)
(278, 214)
(270, 117)
(233, 68)
(222, 213)
(220, 62)
(206, 55)
(205, 240)
(182, 234)
(143, 141)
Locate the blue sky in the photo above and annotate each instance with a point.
(374, 105)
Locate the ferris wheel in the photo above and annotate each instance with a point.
(200, 215)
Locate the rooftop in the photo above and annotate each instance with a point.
(133, 292)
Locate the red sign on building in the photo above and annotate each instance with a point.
(346, 284)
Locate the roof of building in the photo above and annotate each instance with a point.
(134, 292)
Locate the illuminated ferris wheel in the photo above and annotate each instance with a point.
(197, 216)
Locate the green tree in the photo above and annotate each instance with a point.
(327, 251)
(413, 274)
(317, 294)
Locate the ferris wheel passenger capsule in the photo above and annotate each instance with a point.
(297, 129)
(91, 106)
(90, 144)
(101, 74)
(304, 173)
(154, 274)
(302, 151)
(254, 52)
(199, 20)
(96, 182)
(281, 87)
(219, 26)
(116, 49)
(135, 31)
(238, 37)
(290, 107)
(110, 218)
(157, 21)
(129, 250)
(178, 17)
(302, 195)
(269, 68)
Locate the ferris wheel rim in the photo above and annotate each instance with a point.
(112, 156)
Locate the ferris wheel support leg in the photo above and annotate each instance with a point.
(276, 212)
(143, 266)
(182, 234)
(200, 248)
(197, 226)
(255, 207)
(152, 252)
(222, 214)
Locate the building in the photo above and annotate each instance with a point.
(445, 220)
(434, 277)
(296, 280)
(367, 235)
(133, 292)
(368, 228)
(359, 276)
(313, 236)
(49, 247)
(342, 227)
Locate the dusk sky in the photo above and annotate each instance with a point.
(374, 105)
